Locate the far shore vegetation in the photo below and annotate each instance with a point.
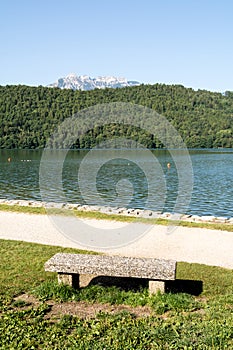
(30, 115)
(114, 217)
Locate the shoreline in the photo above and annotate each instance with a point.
(121, 211)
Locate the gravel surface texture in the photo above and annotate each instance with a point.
(210, 247)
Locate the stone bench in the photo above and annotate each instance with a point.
(70, 266)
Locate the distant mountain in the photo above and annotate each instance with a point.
(84, 82)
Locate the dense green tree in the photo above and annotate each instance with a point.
(30, 115)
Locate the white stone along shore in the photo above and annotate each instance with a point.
(143, 213)
(189, 244)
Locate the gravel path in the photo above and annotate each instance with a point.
(198, 245)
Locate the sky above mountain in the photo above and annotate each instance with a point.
(173, 42)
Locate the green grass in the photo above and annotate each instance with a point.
(120, 331)
(160, 303)
(177, 321)
(216, 280)
(22, 265)
(122, 218)
(21, 209)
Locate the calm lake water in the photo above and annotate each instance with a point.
(121, 178)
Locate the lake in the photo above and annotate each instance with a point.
(128, 178)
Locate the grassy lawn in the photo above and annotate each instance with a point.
(22, 265)
(175, 320)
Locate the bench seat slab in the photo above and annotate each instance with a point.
(118, 266)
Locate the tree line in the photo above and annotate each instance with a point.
(30, 115)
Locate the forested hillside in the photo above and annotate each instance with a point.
(29, 115)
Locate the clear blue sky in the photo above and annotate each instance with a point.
(186, 42)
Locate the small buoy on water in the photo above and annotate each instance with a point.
(168, 165)
(9, 159)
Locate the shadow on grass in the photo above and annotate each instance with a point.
(191, 287)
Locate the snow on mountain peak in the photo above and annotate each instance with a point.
(84, 82)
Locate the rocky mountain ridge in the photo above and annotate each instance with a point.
(84, 82)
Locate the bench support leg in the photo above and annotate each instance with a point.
(156, 286)
(69, 279)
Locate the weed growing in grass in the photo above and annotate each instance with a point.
(53, 290)
(112, 295)
(19, 303)
(162, 303)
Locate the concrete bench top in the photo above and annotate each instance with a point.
(118, 266)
